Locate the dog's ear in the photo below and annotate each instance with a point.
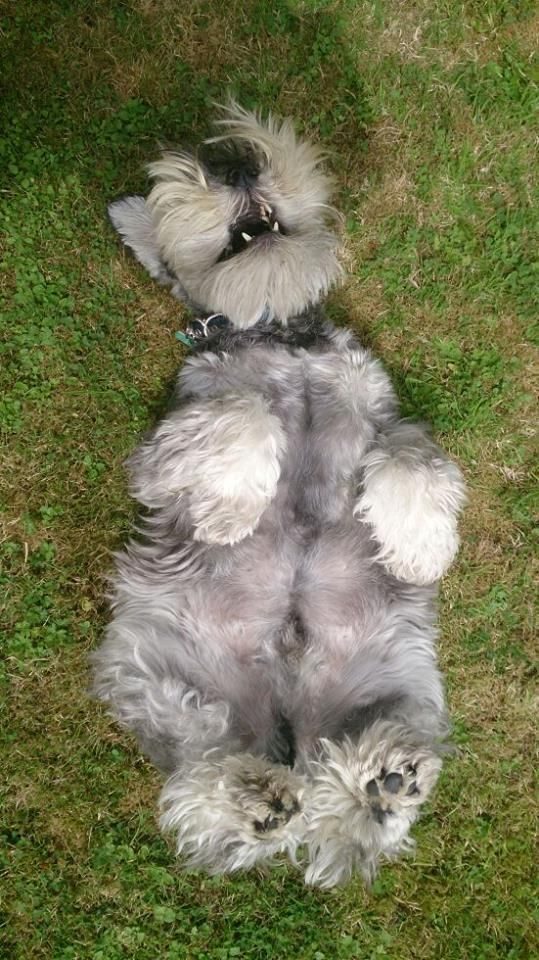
(131, 218)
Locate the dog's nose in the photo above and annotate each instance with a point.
(242, 177)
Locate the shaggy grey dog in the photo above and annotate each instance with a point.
(273, 639)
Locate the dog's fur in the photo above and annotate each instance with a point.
(273, 638)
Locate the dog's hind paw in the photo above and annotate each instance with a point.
(269, 802)
(405, 786)
(233, 812)
(365, 797)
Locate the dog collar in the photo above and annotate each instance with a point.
(201, 328)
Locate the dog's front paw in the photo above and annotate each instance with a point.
(235, 468)
(224, 522)
(216, 462)
(412, 506)
(420, 549)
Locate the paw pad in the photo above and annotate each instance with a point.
(387, 789)
(393, 782)
(281, 810)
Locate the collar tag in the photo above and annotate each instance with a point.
(183, 338)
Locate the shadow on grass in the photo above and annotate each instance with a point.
(95, 85)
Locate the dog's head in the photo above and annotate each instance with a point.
(244, 223)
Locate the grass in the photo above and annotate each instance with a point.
(426, 109)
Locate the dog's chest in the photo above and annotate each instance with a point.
(323, 406)
(320, 396)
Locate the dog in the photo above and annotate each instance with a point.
(272, 644)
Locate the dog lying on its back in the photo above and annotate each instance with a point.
(273, 641)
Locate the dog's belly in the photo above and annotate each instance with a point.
(308, 570)
(339, 582)
(300, 611)
(314, 623)
(293, 580)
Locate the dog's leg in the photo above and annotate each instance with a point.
(228, 811)
(140, 674)
(411, 496)
(233, 812)
(217, 461)
(411, 493)
(365, 796)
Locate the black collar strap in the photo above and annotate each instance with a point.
(303, 330)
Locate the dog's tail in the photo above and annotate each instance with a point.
(132, 220)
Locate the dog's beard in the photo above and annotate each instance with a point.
(264, 247)
(273, 281)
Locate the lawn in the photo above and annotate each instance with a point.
(426, 109)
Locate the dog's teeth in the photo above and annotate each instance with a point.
(276, 227)
(247, 237)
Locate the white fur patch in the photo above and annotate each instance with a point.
(412, 496)
(223, 455)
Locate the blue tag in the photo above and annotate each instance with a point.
(183, 338)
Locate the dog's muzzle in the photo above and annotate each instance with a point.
(259, 222)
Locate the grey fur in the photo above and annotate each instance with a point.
(280, 608)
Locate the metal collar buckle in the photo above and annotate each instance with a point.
(202, 327)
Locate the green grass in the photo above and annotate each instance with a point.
(427, 110)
